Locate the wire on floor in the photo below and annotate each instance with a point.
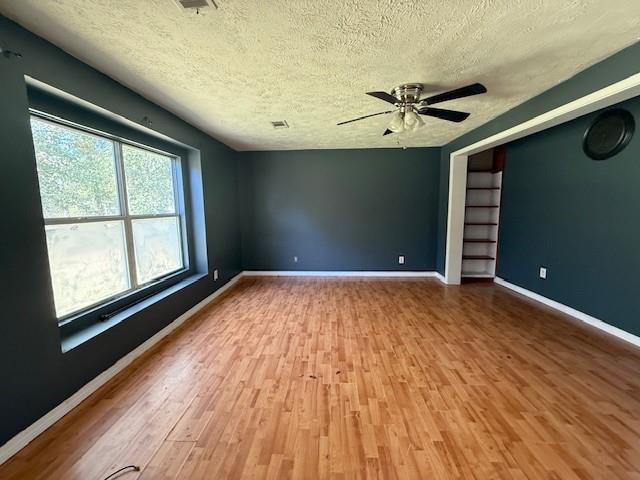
(133, 468)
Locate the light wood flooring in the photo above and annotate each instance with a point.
(310, 378)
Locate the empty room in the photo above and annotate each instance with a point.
(320, 239)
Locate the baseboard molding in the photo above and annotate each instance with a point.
(354, 273)
(26, 436)
(583, 317)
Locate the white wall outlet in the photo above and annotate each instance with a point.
(295, 259)
(543, 272)
(215, 275)
(401, 259)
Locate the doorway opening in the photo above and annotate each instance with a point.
(482, 213)
(459, 160)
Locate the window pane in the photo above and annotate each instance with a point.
(157, 247)
(76, 171)
(149, 181)
(88, 263)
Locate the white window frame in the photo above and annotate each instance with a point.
(124, 215)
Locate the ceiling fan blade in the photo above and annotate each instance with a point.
(366, 116)
(387, 97)
(469, 90)
(451, 115)
(387, 132)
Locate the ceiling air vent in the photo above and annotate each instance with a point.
(195, 4)
(280, 124)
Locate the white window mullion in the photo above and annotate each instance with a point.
(72, 220)
(124, 208)
(180, 209)
(155, 215)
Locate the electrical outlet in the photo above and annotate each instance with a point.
(543, 272)
(295, 259)
(401, 259)
(215, 275)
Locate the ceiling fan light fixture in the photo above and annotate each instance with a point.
(397, 124)
(412, 120)
(419, 124)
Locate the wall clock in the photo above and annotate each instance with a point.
(609, 133)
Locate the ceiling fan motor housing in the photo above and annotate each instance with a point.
(408, 93)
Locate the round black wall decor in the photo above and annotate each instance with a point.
(609, 134)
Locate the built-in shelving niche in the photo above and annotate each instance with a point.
(482, 214)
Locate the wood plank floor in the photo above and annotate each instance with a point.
(360, 378)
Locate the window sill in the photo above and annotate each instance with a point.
(79, 337)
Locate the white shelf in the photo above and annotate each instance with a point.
(482, 207)
(478, 275)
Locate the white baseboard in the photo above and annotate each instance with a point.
(321, 273)
(26, 436)
(583, 317)
(440, 277)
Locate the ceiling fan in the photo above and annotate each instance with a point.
(409, 107)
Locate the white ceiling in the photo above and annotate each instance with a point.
(231, 71)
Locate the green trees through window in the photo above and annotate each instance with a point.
(76, 171)
(149, 181)
(111, 216)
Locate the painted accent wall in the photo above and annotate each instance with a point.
(339, 209)
(610, 70)
(577, 217)
(334, 210)
(35, 375)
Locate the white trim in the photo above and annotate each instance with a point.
(612, 94)
(455, 219)
(321, 273)
(26, 436)
(583, 317)
(440, 277)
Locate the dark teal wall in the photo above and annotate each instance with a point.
(579, 218)
(35, 375)
(613, 69)
(335, 210)
(339, 209)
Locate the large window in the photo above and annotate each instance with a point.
(112, 215)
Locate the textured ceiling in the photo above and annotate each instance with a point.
(231, 71)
